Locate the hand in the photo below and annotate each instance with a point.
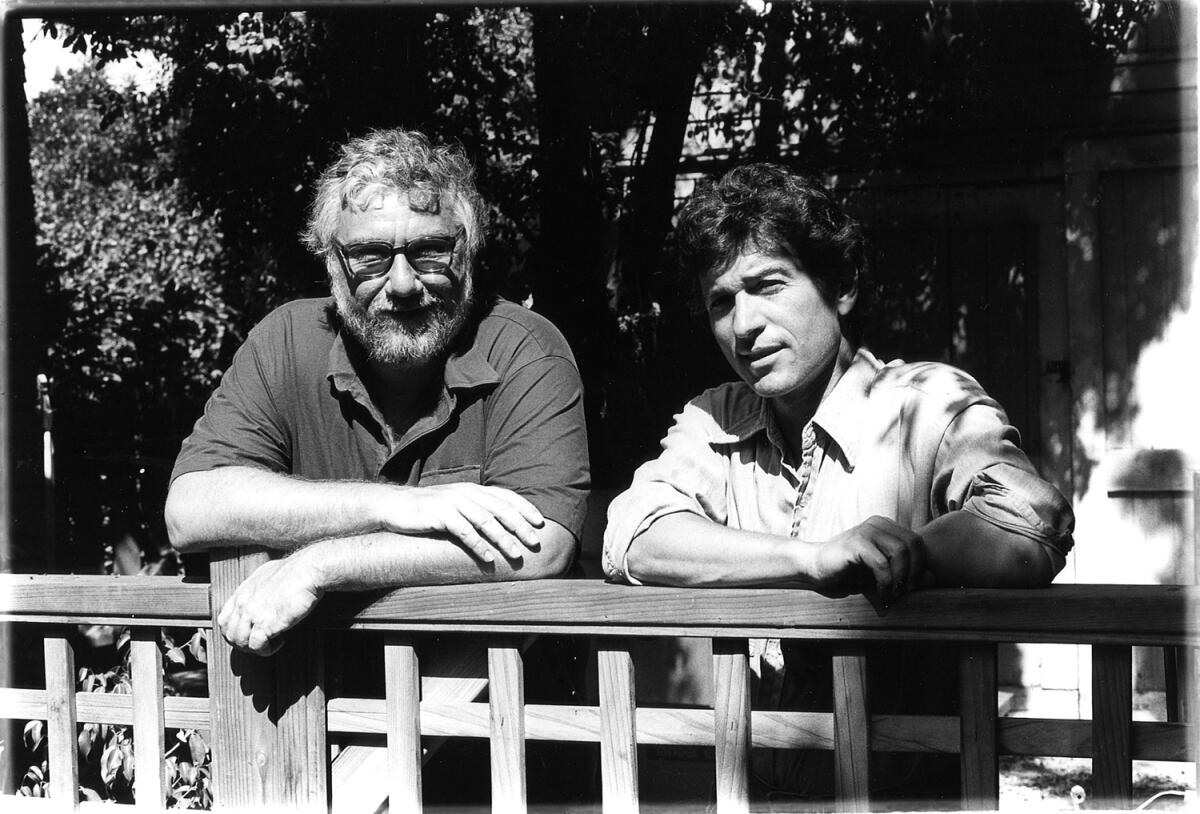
(479, 517)
(877, 551)
(270, 602)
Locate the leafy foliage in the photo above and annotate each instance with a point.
(107, 768)
(868, 85)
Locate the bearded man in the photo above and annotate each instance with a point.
(410, 430)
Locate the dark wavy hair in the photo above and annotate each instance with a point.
(768, 208)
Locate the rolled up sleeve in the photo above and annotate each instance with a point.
(689, 476)
(981, 469)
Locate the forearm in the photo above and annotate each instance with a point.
(687, 550)
(387, 560)
(964, 550)
(244, 506)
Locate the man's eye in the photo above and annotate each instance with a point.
(430, 249)
(368, 254)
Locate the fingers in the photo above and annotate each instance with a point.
(895, 556)
(484, 519)
(268, 603)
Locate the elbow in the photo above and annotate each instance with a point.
(1034, 564)
(552, 560)
(182, 518)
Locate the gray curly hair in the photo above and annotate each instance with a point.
(391, 161)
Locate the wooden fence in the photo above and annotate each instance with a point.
(270, 720)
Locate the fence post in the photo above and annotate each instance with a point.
(851, 727)
(268, 730)
(1112, 716)
(731, 719)
(978, 727)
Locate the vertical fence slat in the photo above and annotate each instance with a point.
(1112, 725)
(62, 739)
(618, 730)
(851, 727)
(403, 691)
(240, 687)
(731, 706)
(506, 693)
(149, 741)
(979, 756)
(300, 766)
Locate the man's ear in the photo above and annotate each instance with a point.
(848, 296)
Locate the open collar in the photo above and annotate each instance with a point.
(838, 416)
(463, 371)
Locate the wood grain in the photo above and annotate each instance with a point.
(506, 693)
(851, 727)
(241, 690)
(300, 765)
(105, 708)
(731, 724)
(182, 601)
(61, 743)
(149, 783)
(1112, 713)
(1149, 614)
(979, 759)
(618, 729)
(403, 690)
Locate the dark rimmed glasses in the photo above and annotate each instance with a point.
(366, 261)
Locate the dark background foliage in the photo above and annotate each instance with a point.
(166, 220)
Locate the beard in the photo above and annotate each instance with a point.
(405, 338)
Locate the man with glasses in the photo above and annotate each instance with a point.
(410, 430)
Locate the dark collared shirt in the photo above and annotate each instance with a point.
(508, 412)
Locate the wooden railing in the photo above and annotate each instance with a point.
(270, 719)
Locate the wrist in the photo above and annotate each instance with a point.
(308, 567)
(801, 559)
(388, 505)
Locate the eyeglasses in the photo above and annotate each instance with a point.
(366, 261)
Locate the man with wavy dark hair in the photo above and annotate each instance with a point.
(408, 430)
(823, 466)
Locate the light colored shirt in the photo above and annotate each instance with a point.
(909, 442)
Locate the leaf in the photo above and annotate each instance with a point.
(87, 737)
(110, 763)
(198, 645)
(127, 761)
(90, 795)
(198, 748)
(35, 733)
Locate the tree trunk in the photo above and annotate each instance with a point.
(570, 259)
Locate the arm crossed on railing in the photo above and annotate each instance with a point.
(270, 719)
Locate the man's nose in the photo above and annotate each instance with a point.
(747, 321)
(402, 281)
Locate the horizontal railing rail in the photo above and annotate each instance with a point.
(1080, 614)
(271, 722)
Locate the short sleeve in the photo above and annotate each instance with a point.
(537, 439)
(980, 468)
(241, 425)
(688, 476)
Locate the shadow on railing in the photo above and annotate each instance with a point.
(270, 719)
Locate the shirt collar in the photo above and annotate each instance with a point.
(464, 370)
(838, 415)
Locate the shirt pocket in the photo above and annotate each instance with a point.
(469, 473)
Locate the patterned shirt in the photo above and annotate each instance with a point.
(909, 442)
